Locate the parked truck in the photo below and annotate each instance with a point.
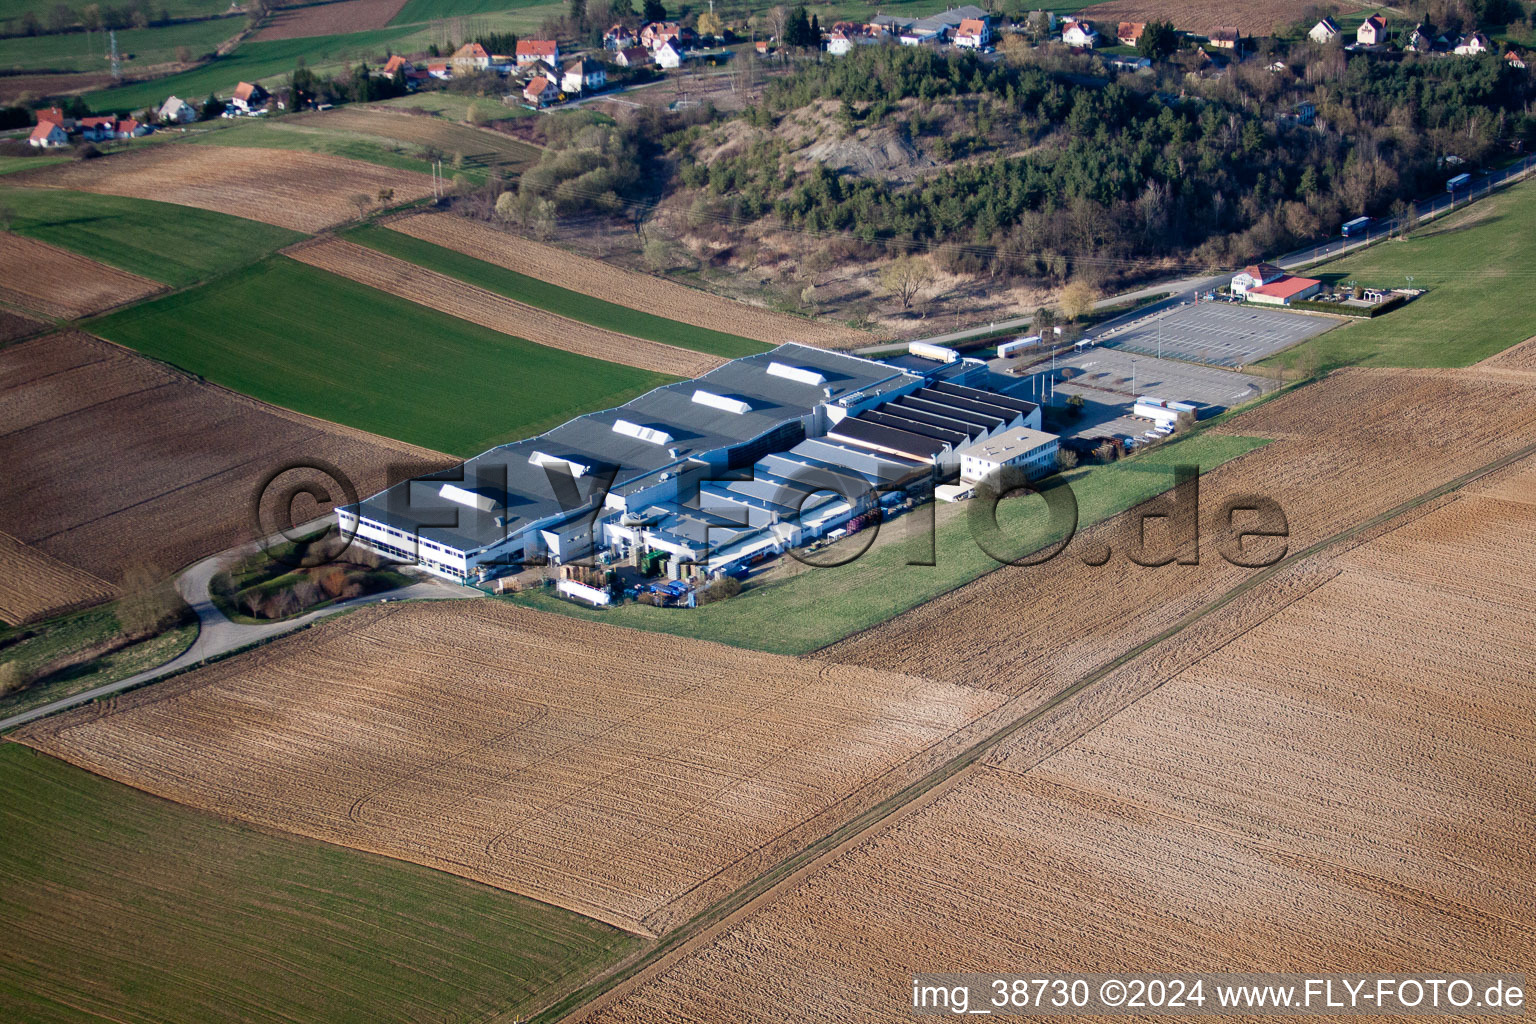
(1460, 181)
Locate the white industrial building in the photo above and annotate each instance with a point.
(764, 453)
(1026, 448)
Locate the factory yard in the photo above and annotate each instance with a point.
(1217, 333)
(163, 468)
(629, 778)
(1336, 772)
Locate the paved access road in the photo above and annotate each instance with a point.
(219, 635)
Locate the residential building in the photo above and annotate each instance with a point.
(1226, 38)
(1024, 448)
(175, 110)
(1472, 45)
(1079, 33)
(619, 37)
(584, 76)
(1325, 31)
(668, 55)
(1283, 291)
(472, 57)
(533, 51)
(55, 115)
(48, 135)
(249, 98)
(633, 57)
(540, 91)
(1514, 60)
(1129, 32)
(396, 65)
(1372, 31)
(97, 129)
(440, 70)
(1422, 38)
(128, 128)
(656, 33)
(972, 34)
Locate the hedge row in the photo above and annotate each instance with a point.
(1343, 310)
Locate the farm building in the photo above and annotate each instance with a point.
(1283, 291)
(1227, 38)
(1026, 448)
(660, 472)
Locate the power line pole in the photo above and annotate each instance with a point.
(117, 66)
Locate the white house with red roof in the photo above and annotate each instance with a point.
(97, 129)
(532, 51)
(55, 115)
(668, 55)
(541, 91)
(48, 135)
(129, 128)
(1372, 31)
(972, 34)
(249, 98)
(1079, 33)
(1256, 274)
(471, 57)
(1514, 60)
(1283, 291)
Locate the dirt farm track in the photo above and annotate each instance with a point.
(628, 777)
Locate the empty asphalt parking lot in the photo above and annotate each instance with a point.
(1218, 333)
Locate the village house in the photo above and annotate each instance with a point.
(584, 76)
(619, 38)
(1372, 31)
(657, 33)
(668, 55)
(396, 65)
(1421, 39)
(846, 35)
(249, 98)
(128, 128)
(1325, 31)
(55, 115)
(1472, 45)
(763, 47)
(97, 129)
(540, 91)
(1129, 32)
(48, 135)
(532, 51)
(439, 69)
(1226, 38)
(471, 57)
(972, 34)
(633, 57)
(1514, 60)
(1079, 33)
(175, 110)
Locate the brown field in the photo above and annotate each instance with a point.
(59, 283)
(1400, 434)
(14, 325)
(1203, 15)
(625, 288)
(480, 147)
(621, 776)
(113, 459)
(302, 191)
(488, 309)
(1345, 785)
(1519, 359)
(36, 586)
(330, 19)
(17, 87)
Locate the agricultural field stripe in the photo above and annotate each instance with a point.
(552, 297)
(35, 585)
(497, 312)
(62, 284)
(604, 280)
(711, 922)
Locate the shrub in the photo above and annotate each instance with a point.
(13, 678)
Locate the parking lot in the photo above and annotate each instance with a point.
(1217, 333)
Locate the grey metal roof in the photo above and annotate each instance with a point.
(953, 438)
(682, 428)
(900, 441)
(989, 397)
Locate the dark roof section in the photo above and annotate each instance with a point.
(985, 421)
(989, 397)
(861, 431)
(953, 438)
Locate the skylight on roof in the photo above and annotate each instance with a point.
(721, 402)
(798, 374)
(650, 435)
(577, 469)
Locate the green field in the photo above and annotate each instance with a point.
(559, 300)
(816, 607)
(175, 245)
(251, 62)
(287, 133)
(1468, 261)
(429, 10)
(116, 905)
(452, 106)
(309, 340)
(12, 164)
(12, 10)
(139, 47)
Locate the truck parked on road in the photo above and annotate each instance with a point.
(1460, 181)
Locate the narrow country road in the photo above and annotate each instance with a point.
(219, 635)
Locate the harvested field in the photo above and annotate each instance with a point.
(1344, 785)
(59, 283)
(330, 19)
(114, 459)
(15, 87)
(36, 586)
(14, 325)
(629, 778)
(1355, 444)
(613, 284)
(1202, 16)
(1519, 359)
(302, 191)
(497, 312)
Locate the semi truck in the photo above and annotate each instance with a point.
(1460, 181)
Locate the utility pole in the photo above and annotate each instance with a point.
(117, 66)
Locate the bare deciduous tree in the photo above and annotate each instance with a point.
(905, 276)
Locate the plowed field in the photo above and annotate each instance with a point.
(488, 309)
(627, 777)
(59, 283)
(302, 191)
(113, 459)
(1344, 786)
(330, 19)
(1519, 359)
(35, 586)
(614, 284)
